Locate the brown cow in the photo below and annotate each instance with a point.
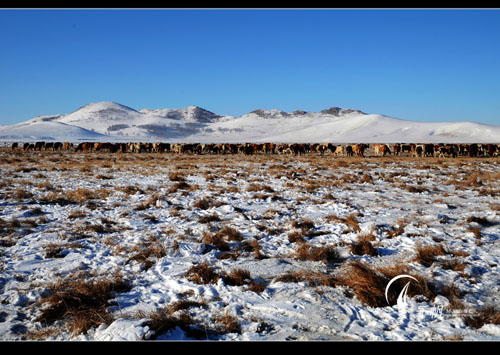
(359, 149)
(385, 150)
(320, 148)
(490, 149)
(84, 147)
(99, 147)
(473, 150)
(339, 150)
(268, 148)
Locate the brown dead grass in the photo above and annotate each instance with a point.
(163, 320)
(202, 274)
(327, 254)
(487, 315)
(368, 283)
(147, 253)
(363, 245)
(426, 255)
(217, 240)
(228, 323)
(313, 279)
(81, 301)
(397, 231)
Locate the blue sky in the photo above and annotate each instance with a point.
(415, 64)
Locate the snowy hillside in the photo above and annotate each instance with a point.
(47, 131)
(110, 121)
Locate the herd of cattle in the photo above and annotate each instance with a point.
(417, 150)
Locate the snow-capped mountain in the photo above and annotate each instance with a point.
(111, 121)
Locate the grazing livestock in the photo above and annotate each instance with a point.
(381, 149)
(295, 149)
(84, 147)
(269, 148)
(298, 149)
(418, 150)
(359, 149)
(339, 150)
(490, 149)
(463, 150)
(407, 148)
(99, 147)
(473, 150)
(450, 150)
(281, 148)
(39, 145)
(429, 150)
(322, 148)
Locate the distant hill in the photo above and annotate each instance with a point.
(111, 121)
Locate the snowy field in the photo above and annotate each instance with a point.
(101, 246)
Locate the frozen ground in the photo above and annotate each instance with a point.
(247, 247)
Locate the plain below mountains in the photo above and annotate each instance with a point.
(110, 121)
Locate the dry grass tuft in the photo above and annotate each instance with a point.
(296, 237)
(482, 221)
(237, 277)
(77, 214)
(363, 245)
(81, 302)
(230, 233)
(395, 232)
(351, 221)
(426, 255)
(304, 224)
(182, 185)
(327, 254)
(369, 283)
(53, 250)
(209, 218)
(487, 315)
(313, 279)
(202, 274)
(204, 203)
(476, 230)
(147, 252)
(228, 323)
(217, 240)
(163, 320)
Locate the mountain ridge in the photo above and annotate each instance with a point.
(112, 121)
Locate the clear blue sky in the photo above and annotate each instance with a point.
(415, 64)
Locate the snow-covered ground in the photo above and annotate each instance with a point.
(157, 219)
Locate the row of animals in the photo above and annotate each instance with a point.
(420, 150)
